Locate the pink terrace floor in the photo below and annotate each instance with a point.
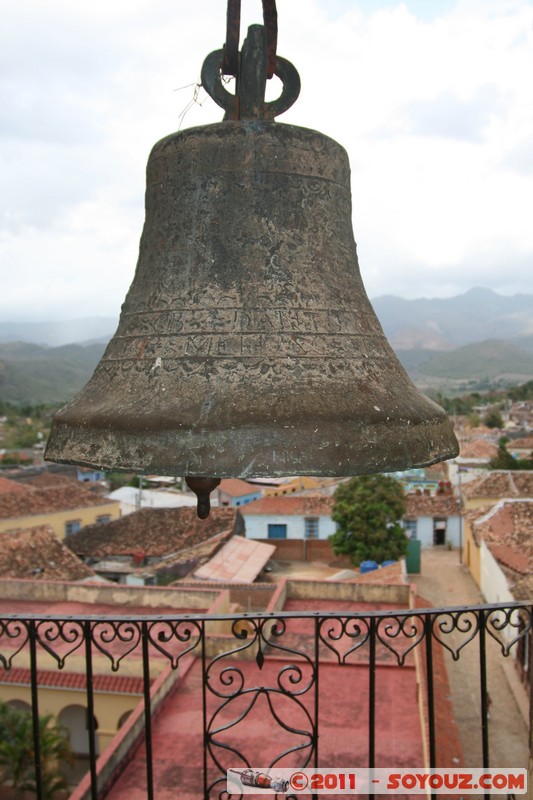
(343, 726)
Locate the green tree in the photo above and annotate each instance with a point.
(504, 459)
(493, 418)
(368, 510)
(17, 752)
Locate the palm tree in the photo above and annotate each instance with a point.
(17, 752)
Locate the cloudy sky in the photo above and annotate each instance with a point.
(433, 99)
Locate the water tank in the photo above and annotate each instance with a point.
(388, 563)
(367, 566)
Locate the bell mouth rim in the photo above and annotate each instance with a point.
(336, 450)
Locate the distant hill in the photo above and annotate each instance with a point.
(54, 334)
(441, 343)
(30, 373)
(440, 324)
(431, 324)
(490, 359)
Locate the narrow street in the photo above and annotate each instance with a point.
(446, 582)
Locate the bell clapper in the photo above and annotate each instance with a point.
(202, 487)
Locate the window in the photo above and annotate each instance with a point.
(277, 531)
(103, 519)
(311, 528)
(410, 527)
(72, 526)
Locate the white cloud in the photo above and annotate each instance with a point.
(433, 108)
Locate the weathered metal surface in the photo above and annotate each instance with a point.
(247, 345)
(202, 488)
(270, 18)
(230, 60)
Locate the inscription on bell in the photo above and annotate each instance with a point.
(268, 345)
(249, 320)
(258, 320)
(184, 335)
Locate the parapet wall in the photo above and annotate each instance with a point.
(112, 594)
(396, 594)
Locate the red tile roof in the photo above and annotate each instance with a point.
(523, 589)
(422, 505)
(506, 528)
(479, 448)
(235, 487)
(115, 684)
(46, 479)
(500, 484)
(153, 532)
(307, 505)
(510, 557)
(526, 443)
(38, 554)
(390, 574)
(65, 497)
(10, 486)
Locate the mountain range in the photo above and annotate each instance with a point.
(471, 339)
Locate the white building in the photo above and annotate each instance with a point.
(292, 517)
(433, 519)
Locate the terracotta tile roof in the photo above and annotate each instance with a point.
(480, 430)
(38, 554)
(181, 564)
(523, 589)
(307, 505)
(64, 497)
(514, 559)
(10, 486)
(153, 532)
(507, 529)
(525, 443)
(500, 484)
(235, 487)
(440, 505)
(115, 684)
(479, 448)
(392, 574)
(46, 479)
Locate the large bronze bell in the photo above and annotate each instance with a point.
(247, 345)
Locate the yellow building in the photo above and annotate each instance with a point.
(66, 508)
(472, 542)
(64, 695)
(301, 484)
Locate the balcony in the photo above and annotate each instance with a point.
(287, 688)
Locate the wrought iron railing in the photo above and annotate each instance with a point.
(273, 670)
